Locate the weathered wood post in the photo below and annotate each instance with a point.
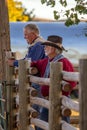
(55, 91)
(23, 95)
(9, 96)
(4, 36)
(83, 94)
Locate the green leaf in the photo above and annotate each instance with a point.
(67, 13)
(69, 22)
(51, 2)
(56, 15)
(63, 3)
(43, 1)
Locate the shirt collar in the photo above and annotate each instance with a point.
(37, 39)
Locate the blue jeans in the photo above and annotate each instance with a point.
(37, 87)
(37, 107)
(75, 93)
(43, 116)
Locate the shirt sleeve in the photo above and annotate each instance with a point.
(15, 63)
(67, 66)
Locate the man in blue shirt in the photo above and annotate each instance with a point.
(34, 40)
(35, 50)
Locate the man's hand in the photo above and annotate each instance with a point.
(10, 62)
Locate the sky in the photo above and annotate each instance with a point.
(43, 11)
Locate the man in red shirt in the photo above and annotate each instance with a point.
(53, 50)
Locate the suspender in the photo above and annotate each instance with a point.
(56, 59)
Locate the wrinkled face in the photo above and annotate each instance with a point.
(29, 36)
(49, 51)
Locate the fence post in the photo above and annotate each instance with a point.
(83, 93)
(9, 96)
(23, 95)
(54, 96)
(4, 37)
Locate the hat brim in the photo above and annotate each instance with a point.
(48, 43)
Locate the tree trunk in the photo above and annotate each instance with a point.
(4, 36)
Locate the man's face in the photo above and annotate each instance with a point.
(28, 36)
(49, 50)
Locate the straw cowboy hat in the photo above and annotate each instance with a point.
(54, 41)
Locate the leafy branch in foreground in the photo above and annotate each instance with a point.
(72, 14)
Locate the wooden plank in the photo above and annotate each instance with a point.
(54, 96)
(70, 76)
(67, 126)
(40, 101)
(23, 95)
(83, 93)
(35, 100)
(39, 80)
(42, 124)
(69, 103)
(46, 81)
(9, 96)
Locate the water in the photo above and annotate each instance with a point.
(74, 38)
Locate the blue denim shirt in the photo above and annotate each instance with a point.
(35, 52)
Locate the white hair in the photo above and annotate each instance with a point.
(33, 28)
(58, 51)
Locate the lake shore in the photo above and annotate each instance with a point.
(37, 19)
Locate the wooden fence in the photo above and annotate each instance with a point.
(23, 98)
(20, 96)
(56, 76)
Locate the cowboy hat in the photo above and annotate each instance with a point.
(54, 41)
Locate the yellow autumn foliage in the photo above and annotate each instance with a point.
(16, 11)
